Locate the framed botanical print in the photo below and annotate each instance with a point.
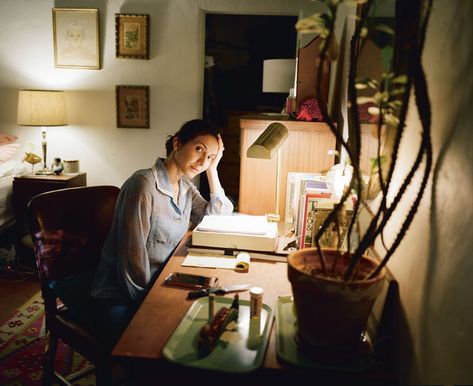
(132, 36)
(76, 38)
(132, 106)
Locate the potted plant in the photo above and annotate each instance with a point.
(334, 289)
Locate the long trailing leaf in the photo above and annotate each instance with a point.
(374, 228)
(340, 138)
(380, 169)
(352, 92)
(386, 104)
(424, 109)
(374, 232)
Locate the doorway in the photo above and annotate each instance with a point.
(235, 47)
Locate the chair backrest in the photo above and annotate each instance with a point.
(69, 227)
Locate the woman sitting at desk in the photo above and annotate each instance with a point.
(152, 215)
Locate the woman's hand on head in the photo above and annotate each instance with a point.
(213, 165)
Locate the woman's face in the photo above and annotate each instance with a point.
(196, 155)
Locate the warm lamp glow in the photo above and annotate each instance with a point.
(338, 178)
(265, 146)
(41, 108)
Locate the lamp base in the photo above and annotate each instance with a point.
(44, 172)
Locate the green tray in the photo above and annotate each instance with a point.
(237, 351)
(286, 345)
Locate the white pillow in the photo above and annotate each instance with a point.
(13, 168)
(8, 151)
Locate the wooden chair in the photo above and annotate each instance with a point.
(68, 228)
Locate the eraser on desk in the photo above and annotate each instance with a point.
(242, 262)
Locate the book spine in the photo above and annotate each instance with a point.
(304, 223)
(290, 191)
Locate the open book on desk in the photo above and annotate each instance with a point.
(240, 232)
(207, 258)
(244, 224)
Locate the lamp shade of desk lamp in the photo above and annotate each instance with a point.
(42, 108)
(278, 75)
(266, 146)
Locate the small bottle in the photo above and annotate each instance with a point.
(290, 103)
(256, 301)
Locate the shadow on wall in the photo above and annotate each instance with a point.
(445, 318)
(396, 344)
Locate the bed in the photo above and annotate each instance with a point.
(8, 171)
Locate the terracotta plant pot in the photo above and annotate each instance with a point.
(331, 314)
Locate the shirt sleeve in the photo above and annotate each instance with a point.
(218, 205)
(134, 210)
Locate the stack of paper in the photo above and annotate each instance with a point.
(236, 232)
(239, 261)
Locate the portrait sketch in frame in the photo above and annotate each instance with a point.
(76, 38)
(132, 106)
(132, 36)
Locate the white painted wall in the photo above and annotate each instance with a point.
(434, 264)
(174, 73)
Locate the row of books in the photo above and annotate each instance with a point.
(309, 200)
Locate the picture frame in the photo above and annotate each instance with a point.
(76, 38)
(132, 106)
(132, 36)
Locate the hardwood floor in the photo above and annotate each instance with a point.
(15, 289)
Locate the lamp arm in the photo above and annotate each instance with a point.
(278, 178)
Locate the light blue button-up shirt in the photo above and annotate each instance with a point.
(147, 226)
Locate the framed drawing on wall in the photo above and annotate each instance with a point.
(132, 36)
(132, 106)
(76, 38)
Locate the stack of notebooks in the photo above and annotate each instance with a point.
(236, 232)
(228, 235)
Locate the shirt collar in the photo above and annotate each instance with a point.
(162, 180)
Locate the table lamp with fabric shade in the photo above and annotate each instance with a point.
(42, 108)
(265, 147)
(278, 77)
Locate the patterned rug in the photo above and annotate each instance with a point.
(22, 343)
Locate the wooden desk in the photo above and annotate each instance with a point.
(165, 305)
(141, 345)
